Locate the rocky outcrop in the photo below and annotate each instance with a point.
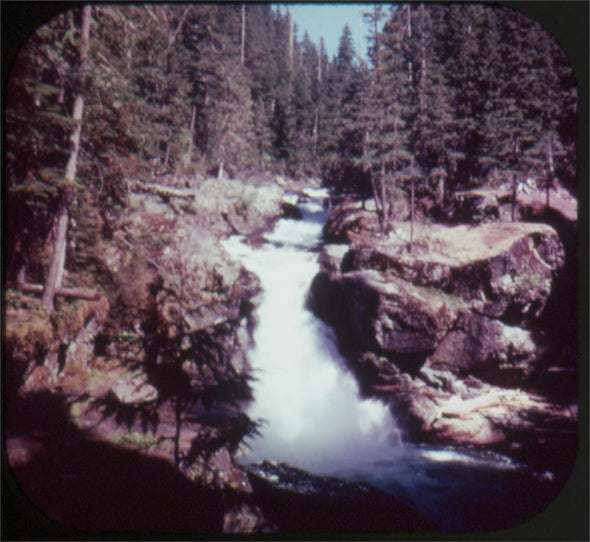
(448, 333)
(220, 206)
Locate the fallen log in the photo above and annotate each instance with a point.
(164, 191)
(76, 293)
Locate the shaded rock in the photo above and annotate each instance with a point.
(351, 218)
(81, 350)
(471, 206)
(487, 348)
(347, 218)
(384, 314)
(289, 207)
(297, 501)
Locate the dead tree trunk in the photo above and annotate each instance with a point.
(243, 45)
(55, 273)
(315, 131)
(191, 137)
(73, 293)
(385, 221)
(550, 170)
(412, 214)
(56, 267)
(514, 190)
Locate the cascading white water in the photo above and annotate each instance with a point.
(316, 420)
(314, 417)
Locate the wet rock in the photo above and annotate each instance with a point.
(289, 207)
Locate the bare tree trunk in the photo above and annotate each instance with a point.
(243, 47)
(56, 267)
(178, 423)
(315, 131)
(551, 169)
(55, 273)
(321, 52)
(412, 213)
(385, 221)
(167, 157)
(291, 36)
(409, 21)
(377, 198)
(189, 150)
(514, 189)
(441, 191)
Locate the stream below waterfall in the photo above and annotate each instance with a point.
(315, 419)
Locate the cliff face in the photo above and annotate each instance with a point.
(450, 333)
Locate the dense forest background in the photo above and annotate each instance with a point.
(452, 96)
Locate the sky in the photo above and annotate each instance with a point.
(328, 20)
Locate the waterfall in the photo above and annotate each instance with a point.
(314, 417)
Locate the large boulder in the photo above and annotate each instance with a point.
(390, 315)
(501, 270)
(352, 217)
(453, 320)
(470, 206)
(486, 348)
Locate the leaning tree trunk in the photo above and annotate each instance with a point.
(58, 259)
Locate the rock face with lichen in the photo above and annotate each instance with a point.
(446, 333)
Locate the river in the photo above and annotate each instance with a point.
(315, 419)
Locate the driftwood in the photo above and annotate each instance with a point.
(76, 293)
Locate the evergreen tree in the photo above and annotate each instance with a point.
(225, 121)
(464, 76)
(387, 158)
(432, 137)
